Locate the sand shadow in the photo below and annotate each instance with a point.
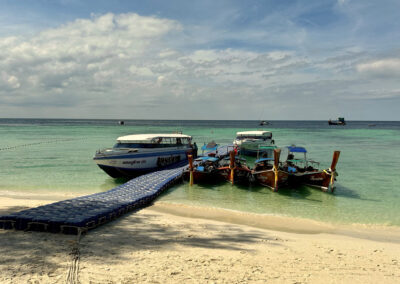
(148, 232)
(22, 253)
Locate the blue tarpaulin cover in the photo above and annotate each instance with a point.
(206, 158)
(200, 168)
(297, 149)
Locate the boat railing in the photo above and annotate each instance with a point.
(116, 150)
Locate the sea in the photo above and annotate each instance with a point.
(56, 156)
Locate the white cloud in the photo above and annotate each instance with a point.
(123, 65)
(86, 56)
(168, 53)
(10, 81)
(140, 71)
(160, 80)
(389, 66)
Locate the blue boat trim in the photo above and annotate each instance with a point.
(133, 155)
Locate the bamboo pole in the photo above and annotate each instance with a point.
(277, 153)
(190, 158)
(335, 160)
(232, 166)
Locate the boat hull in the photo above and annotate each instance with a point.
(135, 164)
(318, 179)
(116, 172)
(204, 177)
(267, 178)
(240, 175)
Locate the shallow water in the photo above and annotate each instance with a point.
(56, 155)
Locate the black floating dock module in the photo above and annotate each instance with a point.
(74, 216)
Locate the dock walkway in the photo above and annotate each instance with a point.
(77, 215)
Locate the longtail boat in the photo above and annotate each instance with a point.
(267, 172)
(234, 169)
(307, 172)
(203, 170)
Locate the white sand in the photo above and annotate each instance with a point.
(169, 243)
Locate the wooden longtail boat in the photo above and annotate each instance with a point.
(307, 172)
(267, 172)
(203, 170)
(234, 169)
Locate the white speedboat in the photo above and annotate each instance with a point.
(252, 143)
(134, 155)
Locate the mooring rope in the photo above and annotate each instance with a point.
(38, 143)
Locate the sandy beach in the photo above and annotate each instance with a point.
(169, 243)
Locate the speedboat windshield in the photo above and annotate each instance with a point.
(153, 141)
(253, 135)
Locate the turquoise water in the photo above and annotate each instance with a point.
(56, 155)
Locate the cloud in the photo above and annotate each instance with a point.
(132, 66)
(95, 57)
(387, 67)
(376, 94)
(9, 81)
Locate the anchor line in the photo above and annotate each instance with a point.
(37, 143)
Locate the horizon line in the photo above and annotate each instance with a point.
(127, 119)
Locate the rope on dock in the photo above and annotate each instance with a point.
(37, 143)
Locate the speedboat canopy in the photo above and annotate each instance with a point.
(152, 138)
(254, 134)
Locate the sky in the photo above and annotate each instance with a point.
(240, 60)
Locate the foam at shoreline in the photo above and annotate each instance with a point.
(280, 223)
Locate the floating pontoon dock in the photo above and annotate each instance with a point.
(74, 216)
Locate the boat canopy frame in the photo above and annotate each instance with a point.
(297, 149)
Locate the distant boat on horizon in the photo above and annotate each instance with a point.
(339, 121)
(263, 122)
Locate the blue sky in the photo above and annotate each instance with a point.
(200, 60)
